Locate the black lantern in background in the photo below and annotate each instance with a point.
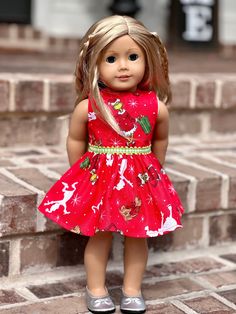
(15, 11)
(124, 7)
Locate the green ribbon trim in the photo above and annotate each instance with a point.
(119, 150)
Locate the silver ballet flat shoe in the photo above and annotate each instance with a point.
(103, 304)
(132, 305)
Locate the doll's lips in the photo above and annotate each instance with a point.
(123, 77)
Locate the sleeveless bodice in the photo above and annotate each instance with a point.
(118, 185)
(135, 113)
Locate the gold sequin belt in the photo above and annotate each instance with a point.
(119, 150)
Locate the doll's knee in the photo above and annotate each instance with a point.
(104, 235)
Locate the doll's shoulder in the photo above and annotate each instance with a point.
(81, 110)
(163, 112)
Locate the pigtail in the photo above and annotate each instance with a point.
(166, 93)
(81, 72)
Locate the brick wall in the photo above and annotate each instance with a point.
(201, 163)
(55, 93)
(201, 106)
(203, 172)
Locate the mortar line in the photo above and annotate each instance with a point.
(12, 99)
(46, 94)
(192, 188)
(11, 176)
(219, 161)
(183, 307)
(218, 93)
(224, 177)
(223, 300)
(192, 96)
(14, 257)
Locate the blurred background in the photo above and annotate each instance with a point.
(38, 50)
(188, 28)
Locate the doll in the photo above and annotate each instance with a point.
(116, 146)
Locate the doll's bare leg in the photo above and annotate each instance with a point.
(135, 261)
(95, 260)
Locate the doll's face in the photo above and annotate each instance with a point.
(122, 64)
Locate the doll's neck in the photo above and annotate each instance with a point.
(115, 92)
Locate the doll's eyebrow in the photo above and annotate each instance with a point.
(134, 49)
(110, 51)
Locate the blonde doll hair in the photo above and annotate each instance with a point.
(101, 34)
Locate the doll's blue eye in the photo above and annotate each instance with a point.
(133, 57)
(110, 59)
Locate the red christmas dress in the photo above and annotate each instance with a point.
(118, 184)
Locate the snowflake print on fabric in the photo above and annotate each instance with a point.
(76, 200)
(92, 116)
(133, 103)
(131, 169)
(116, 142)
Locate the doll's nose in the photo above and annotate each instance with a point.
(123, 64)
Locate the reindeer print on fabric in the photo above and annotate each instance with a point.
(68, 193)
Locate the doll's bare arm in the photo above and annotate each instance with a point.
(161, 133)
(77, 138)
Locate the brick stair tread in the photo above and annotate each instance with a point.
(203, 173)
(197, 281)
(54, 92)
(36, 105)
